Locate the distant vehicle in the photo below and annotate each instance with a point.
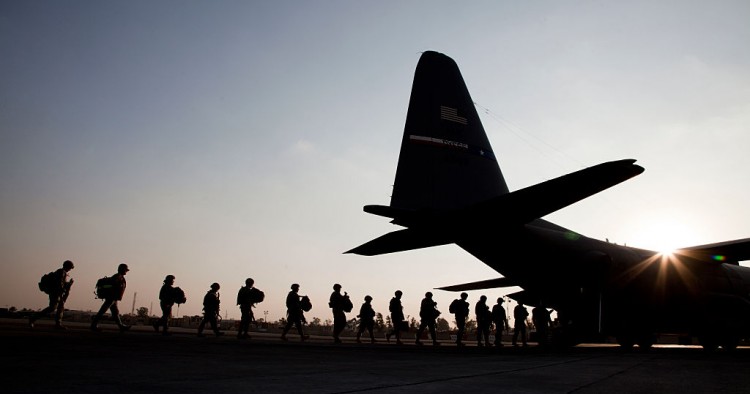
(449, 189)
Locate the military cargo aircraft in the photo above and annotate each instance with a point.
(449, 189)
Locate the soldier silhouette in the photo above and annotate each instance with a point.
(519, 324)
(460, 308)
(247, 297)
(541, 319)
(115, 293)
(211, 309)
(366, 316)
(427, 314)
(294, 313)
(58, 289)
(339, 304)
(500, 320)
(484, 321)
(397, 317)
(167, 299)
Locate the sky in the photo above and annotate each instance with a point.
(216, 141)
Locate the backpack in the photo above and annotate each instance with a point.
(256, 295)
(347, 305)
(179, 296)
(453, 308)
(105, 288)
(47, 283)
(305, 304)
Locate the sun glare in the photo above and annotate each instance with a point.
(665, 237)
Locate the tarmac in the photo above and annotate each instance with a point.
(78, 360)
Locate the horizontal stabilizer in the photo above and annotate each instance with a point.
(525, 297)
(525, 205)
(399, 241)
(729, 251)
(482, 284)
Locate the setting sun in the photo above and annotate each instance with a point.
(665, 236)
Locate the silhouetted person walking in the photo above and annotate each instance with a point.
(339, 304)
(211, 309)
(294, 313)
(484, 321)
(167, 298)
(427, 314)
(500, 320)
(397, 317)
(114, 294)
(460, 308)
(519, 324)
(247, 297)
(366, 322)
(540, 318)
(57, 286)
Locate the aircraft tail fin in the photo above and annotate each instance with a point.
(446, 161)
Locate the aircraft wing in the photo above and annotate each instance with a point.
(728, 251)
(525, 205)
(482, 284)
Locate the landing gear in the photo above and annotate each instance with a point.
(644, 341)
(710, 343)
(626, 342)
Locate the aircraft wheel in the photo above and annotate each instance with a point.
(730, 343)
(646, 341)
(709, 343)
(625, 342)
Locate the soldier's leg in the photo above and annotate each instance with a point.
(202, 325)
(461, 323)
(59, 315)
(287, 327)
(95, 320)
(422, 326)
(212, 321)
(166, 311)
(298, 323)
(244, 323)
(433, 332)
(116, 317)
(53, 301)
(360, 330)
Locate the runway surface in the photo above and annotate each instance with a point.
(140, 361)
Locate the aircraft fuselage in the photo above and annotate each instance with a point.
(600, 288)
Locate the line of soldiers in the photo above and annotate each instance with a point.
(296, 304)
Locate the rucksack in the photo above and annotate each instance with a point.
(453, 307)
(105, 288)
(47, 283)
(256, 295)
(179, 296)
(305, 304)
(347, 305)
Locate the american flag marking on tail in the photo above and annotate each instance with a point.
(451, 115)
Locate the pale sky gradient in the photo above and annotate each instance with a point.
(220, 140)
